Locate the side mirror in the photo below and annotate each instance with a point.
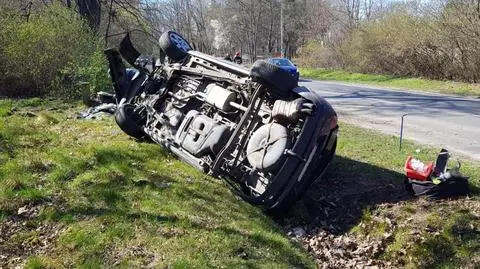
(295, 64)
(128, 51)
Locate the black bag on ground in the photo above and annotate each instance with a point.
(453, 187)
(442, 183)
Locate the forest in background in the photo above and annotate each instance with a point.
(55, 46)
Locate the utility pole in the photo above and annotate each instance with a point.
(281, 29)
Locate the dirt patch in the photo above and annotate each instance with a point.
(344, 251)
(23, 235)
(419, 234)
(139, 254)
(337, 202)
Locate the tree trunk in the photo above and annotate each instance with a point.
(91, 11)
(110, 8)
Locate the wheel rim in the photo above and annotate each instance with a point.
(180, 42)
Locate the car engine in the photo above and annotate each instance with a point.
(197, 117)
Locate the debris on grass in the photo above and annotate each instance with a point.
(24, 235)
(360, 215)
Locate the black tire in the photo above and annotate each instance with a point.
(174, 45)
(279, 81)
(129, 121)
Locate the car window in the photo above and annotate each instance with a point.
(281, 62)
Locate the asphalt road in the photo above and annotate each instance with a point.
(440, 120)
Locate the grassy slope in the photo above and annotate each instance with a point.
(118, 202)
(447, 87)
(93, 196)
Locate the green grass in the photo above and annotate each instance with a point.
(117, 202)
(421, 84)
(381, 152)
(108, 200)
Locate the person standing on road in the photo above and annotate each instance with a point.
(237, 59)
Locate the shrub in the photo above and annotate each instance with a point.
(91, 75)
(436, 46)
(397, 44)
(49, 54)
(314, 55)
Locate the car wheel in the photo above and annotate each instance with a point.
(130, 120)
(174, 45)
(278, 81)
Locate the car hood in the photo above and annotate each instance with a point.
(289, 68)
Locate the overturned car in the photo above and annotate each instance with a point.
(256, 129)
